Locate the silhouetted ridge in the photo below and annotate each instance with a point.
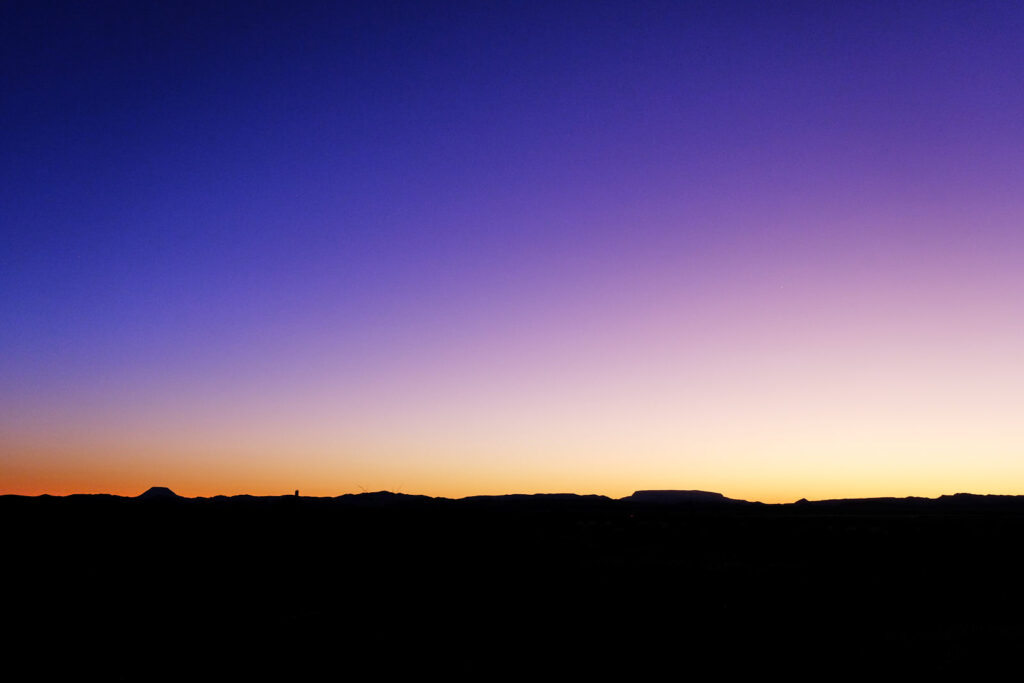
(892, 583)
(383, 498)
(670, 496)
(958, 502)
(159, 493)
(535, 497)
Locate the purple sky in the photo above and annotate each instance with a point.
(772, 249)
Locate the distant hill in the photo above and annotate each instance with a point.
(693, 499)
(547, 585)
(672, 496)
(159, 493)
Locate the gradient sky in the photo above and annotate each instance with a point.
(771, 249)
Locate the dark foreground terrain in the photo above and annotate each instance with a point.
(382, 585)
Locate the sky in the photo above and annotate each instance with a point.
(770, 249)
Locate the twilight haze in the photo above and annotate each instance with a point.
(768, 249)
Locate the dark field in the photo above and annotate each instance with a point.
(384, 585)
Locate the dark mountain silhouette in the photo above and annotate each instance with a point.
(673, 496)
(657, 497)
(547, 585)
(158, 493)
(372, 498)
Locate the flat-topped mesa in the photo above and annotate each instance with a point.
(670, 496)
(159, 493)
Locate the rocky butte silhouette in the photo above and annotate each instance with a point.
(158, 493)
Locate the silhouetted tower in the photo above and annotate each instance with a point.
(296, 493)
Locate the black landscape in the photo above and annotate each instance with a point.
(663, 583)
